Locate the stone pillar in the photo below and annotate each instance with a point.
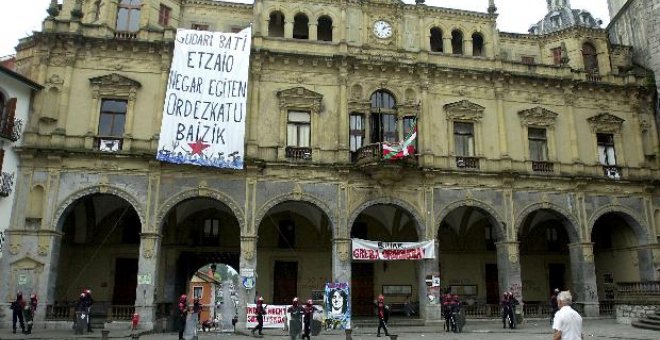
(145, 293)
(429, 309)
(501, 122)
(247, 265)
(508, 269)
(583, 271)
(313, 31)
(468, 49)
(446, 43)
(647, 271)
(288, 29)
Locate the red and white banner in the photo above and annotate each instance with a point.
(377, 250)
(275, 316)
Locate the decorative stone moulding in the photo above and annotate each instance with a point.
(464, 110)
(538, 116)
(606, 122)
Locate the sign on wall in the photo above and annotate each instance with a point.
(205, 105)
(337, 308)
(378, 250)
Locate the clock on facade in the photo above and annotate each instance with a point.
(382, 29)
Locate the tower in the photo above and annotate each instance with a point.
(554, 5)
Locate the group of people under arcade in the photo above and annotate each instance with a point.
(184, 325)
(23, 312)
(451, 311)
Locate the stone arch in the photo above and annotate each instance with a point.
(633, 219)
(435, 24)
(494, 217)
(295, 197)
(394, 92)
(572, 229)
(200, 193)
(421, 230)
(303, 10)
(106, 190)
(324, 12)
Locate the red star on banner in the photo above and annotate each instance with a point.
(198, 147)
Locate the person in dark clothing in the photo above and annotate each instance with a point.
(28, 313)
(261, 311)
(17, 312)
(508, 305)
(382, 315)
(295, 324)
(88, 308)
(197, 309)
(308, 311)
(182, 313)
(554, 306)
(504, 304)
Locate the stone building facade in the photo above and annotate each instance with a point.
(536, 163)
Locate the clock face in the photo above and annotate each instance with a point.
(382, 29)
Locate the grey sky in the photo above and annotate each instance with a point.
(21, 17)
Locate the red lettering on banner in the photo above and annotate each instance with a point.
(365, 254)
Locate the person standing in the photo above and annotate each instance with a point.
(261, 311)
(554, 307)
(295, 324)
(308, 315)
(382, 315)
(182, 310)
(88, 307)
(28, 313)
(17, 311)
(567, 324)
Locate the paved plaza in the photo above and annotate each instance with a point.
(490, 330)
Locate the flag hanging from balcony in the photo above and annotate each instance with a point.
(394, 151)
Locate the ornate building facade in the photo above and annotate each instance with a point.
(536, 164)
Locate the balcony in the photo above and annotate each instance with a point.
(109, 144)
(125, 35)
(593, 76)
(612, 172)
(298, 154)
(385, 169)
(541, 166)
(6, 183)
(467, 162)
(11, 129)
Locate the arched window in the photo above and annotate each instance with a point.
(324, 29)
(477, 45)
(590, 58)
(436, 40)
(456, 42)
(300, 26)
(276, 24)
(383, 117)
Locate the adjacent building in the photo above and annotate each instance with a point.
(535, 163)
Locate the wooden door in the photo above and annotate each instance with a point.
(492, 284)
(285, 282)
(362, 289)
(125, 281)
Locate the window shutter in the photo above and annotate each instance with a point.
(10, 114)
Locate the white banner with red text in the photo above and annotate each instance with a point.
(366, 250)
(275, 316)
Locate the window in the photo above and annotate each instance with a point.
(286, 234)
(436, 40)
(7, 118)
(606, 154)
(112, 118)
(356, 133)
(299, 129)
(164, 15)
(210, 232)
(490, 237)
(527, 60)
(300, 27)
(383, 118)
(590, 58)
(538, 144)
(556, 56)
(128, 15)
(464, 139)
(276, 25)
(457, 42)
(324, 29)
(477, 45)
(200, 27)
(552, 238)
(197, 292)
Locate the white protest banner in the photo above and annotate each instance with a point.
(377, 250)
(205, 105)
(275, 316)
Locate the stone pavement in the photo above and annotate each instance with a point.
(474, 329)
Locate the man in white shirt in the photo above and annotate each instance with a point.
(567, 324)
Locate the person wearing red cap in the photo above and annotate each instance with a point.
(382, 315)
(17, 311)
(182, 309)
(261, 311)
(295, 324)
(308, 313)
(88, 307)
(28, 312)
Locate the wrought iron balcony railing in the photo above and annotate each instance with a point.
(298, 154)
(611, 171)
(467, 162)
(541, 166)
(6, 183)
(11, 129)
(373, 153)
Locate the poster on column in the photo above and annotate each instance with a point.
(338, 310)
(379, 250)
(205, 105)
